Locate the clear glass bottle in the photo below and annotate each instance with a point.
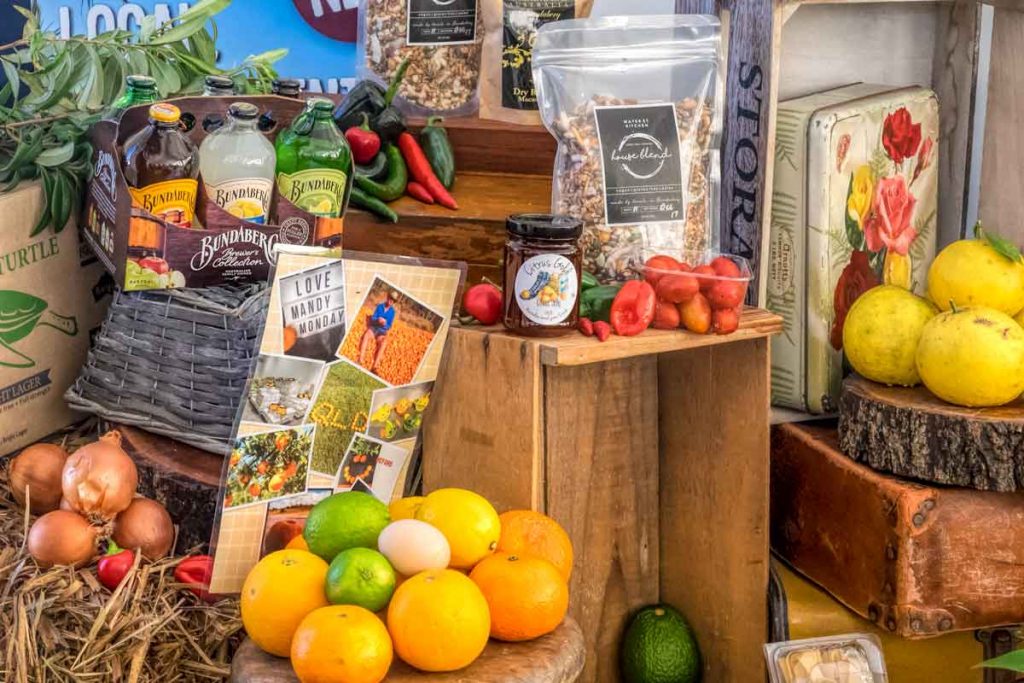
(314, 162)
(237, 165)
(139, 89)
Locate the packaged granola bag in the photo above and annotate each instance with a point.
(506, 66)
(635, 105)
(442, 40)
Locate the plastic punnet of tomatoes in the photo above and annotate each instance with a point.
(702, 291)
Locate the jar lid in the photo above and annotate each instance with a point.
(244, 110)
(544, 226)
(164, 113)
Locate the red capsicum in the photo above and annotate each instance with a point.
(195, 571)
(114, 566)
(364, 142)
(633, 308)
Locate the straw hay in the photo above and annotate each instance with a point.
(63, 625)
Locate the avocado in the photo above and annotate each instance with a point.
(659, 647)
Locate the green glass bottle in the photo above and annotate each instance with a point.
(139, 89)
(314, 164)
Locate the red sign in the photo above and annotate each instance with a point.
(335, 19)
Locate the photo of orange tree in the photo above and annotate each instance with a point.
(407, 341)
(266, 466)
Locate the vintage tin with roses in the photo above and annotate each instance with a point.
(853, 206)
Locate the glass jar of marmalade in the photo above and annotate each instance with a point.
(542, 274)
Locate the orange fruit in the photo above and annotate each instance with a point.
(527, 596)
(276, 482)
(290, 337)
(525, 532)
(297, 543)
(341, 643)
(278, 593)
(438, 620)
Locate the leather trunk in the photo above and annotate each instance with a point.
(916, 560)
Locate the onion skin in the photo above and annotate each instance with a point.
(62, 538)
(145, 526)
(38, 467)
(100, 479)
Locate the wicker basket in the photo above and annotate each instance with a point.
(174, 362)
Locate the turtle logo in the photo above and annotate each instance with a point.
(20, 314)
(641, 155)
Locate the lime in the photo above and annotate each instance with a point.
(345, 520)
(659, 647)
(362, 577)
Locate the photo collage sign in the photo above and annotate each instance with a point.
(346, 368)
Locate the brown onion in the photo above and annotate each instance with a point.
(38, 468)
(65, 505)
(61, 537)
(145, 526)
(100, 479)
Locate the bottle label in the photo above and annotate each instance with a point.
(643, 165)
(520, 21)
(546, 288)
(440, 22)
(319, 191)
(245, 198)
(172, 200)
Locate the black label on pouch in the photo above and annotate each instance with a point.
(643, 176)
(441, 22)
(520, 21)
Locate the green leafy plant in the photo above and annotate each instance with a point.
(71, 82)
(1011, 661)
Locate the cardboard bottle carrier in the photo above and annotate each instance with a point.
(220, 248)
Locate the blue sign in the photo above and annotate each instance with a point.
(320, 34)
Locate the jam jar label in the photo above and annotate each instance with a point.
(546, 288)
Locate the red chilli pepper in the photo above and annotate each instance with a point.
(364, 142)
(418, 192)
(421, 171)
(114, 566)
(586, 326)
(602, 330)
(195, 571)
(633, 308)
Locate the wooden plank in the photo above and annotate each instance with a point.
(482, 431)
(1002, 174)
(953, 80)
(487, 146)
(601, 428)
(713, 426)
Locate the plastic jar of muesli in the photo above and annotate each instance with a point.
(542, 274)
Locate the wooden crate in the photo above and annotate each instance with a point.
(652, 451)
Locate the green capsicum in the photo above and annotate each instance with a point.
(377, 169)
(596, 302)
(587, 281)
(438, 150)
(393, 185)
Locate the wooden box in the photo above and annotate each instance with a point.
(652, 451)
(917, 560)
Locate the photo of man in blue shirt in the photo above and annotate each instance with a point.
(378, 324)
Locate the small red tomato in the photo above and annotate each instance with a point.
(666, 316)
(696, 314)
(656, 266)
(707, 277)
(586, 327)
(602, 330)
(725, 320)
(727, 294)
(677, 288)
(483, 302)
(726, 267)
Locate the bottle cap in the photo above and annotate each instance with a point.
(164, 113)
(544, 226)
(244, 110)
(219, 83)
(140, 81)
(286, 86)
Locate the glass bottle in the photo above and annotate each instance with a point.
(314, 165)
(139, 89)
(237, 165)
(218, 86)
(161, 166)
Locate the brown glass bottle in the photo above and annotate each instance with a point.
(161, 166)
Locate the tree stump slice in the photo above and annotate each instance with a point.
(555, 658)
(185, 479)
(911, 433)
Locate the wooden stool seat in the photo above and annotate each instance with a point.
(555, 658)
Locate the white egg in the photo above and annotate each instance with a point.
(412, 546)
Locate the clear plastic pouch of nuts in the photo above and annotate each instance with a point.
(635, 105)
(442, 40)
(852, 658)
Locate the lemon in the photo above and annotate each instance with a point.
(467, 520)
(405, 508)
(972, 357)
(881, 334)
(972, 273)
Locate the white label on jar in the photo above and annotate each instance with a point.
(546, 288)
